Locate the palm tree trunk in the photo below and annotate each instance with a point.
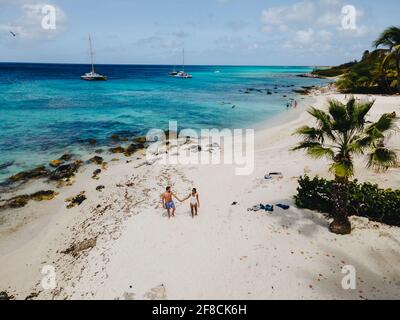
(341, 224)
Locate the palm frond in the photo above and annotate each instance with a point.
(386, 122)
(310, 133)
(389, 38)
(382, 159)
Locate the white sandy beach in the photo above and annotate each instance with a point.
(227, 252)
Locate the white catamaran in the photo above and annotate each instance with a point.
(181, 74)
(92, 75)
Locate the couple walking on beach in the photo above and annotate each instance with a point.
(169, 205)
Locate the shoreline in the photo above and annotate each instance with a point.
(227, 252)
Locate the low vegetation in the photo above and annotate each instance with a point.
(365, 200)
(377, 71)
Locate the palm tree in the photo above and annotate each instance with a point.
(341, 134)
(390, 38)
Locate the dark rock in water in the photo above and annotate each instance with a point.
(141, 139)
(92, 142)
(38, 172)
(269, 92)
(44, 195)
(99, 151)
(96, 173)
(115, 137)
(97, 160)
(5, 296)
(76, 201)
(199, 148)
(117, 150)
(65, 171)
(100, 188)
(56, 163)
(65, 157)
(6, 165)
(303, 92)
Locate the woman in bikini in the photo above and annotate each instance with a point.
(194, 202)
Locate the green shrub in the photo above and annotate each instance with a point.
(366, 200)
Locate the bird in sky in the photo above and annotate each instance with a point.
(13, 34)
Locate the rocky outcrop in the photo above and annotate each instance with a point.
(44, 195)
(132, 148)
(96, 174)
(76, 201)
(56, 163)
(21, 201)
(65, 171)
(6, 296)
(97, 160)
(38, 172)
(117, 150)
(66, 157)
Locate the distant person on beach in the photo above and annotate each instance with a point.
(168, 202)
(194, 201)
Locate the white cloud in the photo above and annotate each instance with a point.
(308, 26)
(28, 26)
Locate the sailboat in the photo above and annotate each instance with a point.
(92, 75)
(182, 74)
(173, 73)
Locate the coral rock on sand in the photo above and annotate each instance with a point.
(5, 296)
(16, 202)
(65, 171)
(97, 160)
(44, 195)
(38, 172)
(76, 201)
(157, 293)
(133, 148)
(96, 174)
(77, 248)
(117, 150)
(100, 188)
(22, 200)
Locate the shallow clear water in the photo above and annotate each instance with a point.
(46, 110)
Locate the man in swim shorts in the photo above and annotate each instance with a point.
(168, 202)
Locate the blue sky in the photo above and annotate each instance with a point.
(233, 32)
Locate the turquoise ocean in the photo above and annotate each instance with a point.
(47, 111)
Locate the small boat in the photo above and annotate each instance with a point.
(182, 74)
(92, 75)
(173, 73)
